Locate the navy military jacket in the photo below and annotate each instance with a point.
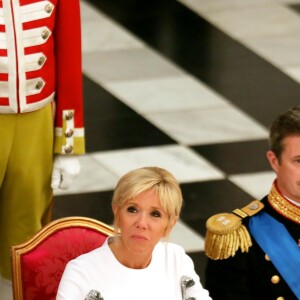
(250, 276)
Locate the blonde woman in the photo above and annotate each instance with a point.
(135, 264)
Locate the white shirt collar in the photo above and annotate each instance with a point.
(292, 201)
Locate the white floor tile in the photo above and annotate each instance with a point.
(185, 236)
(259, 21)
(126, 65)
(100, 33)
(103, 36)
(166, 94)
(287, 2)
(92, 177)
(294, 73)
(282, 51)
(183, 163)
(209, 6)
(256, 184)
(268, 27)
(5, 289)
(209, 126)
(89, 13)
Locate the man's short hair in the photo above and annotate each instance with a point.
(285, 125)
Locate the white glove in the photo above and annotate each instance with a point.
(65, 170)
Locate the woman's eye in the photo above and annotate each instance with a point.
(131, 209)
(156, 214)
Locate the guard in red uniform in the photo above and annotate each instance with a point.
(41, 113)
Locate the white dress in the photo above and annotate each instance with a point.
(100, 270)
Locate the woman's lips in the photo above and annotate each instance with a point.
(139, 237)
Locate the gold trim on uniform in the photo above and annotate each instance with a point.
(226, 234)
(283, 206)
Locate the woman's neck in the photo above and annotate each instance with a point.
(127, 258)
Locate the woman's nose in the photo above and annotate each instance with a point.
(142, 221)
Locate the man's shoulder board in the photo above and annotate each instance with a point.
(226, 234)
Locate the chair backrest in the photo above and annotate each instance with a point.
(38, 264)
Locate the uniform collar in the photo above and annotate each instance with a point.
(282, 205)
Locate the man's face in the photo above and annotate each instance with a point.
(288, 169)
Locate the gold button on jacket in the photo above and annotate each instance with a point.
(275, 279)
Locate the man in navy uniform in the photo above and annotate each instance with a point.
(254, 252)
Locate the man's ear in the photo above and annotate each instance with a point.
(273, 160)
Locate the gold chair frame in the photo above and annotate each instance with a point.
(54, 226)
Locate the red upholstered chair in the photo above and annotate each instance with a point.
(38, 264)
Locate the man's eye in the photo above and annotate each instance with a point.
(131, 209)
(156, 214)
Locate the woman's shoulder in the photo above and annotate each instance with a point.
(170, 248)
(91, 256)
(172, 256)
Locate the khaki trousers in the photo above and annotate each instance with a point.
(26, 160)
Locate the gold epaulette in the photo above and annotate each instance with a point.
(226, 234)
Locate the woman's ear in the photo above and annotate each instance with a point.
(170, 226)
(115, 209)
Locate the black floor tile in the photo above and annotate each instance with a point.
(92, 205)
(204, 199)
(296, 7)
(112, 125)
(199, 259)
(238, 157)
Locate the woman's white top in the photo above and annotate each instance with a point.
(99, 270)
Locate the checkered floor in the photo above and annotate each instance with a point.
(191, 86)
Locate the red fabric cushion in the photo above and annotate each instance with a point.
(43, 267)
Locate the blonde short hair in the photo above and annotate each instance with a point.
(140, 180)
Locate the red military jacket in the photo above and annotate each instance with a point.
(40, 63)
